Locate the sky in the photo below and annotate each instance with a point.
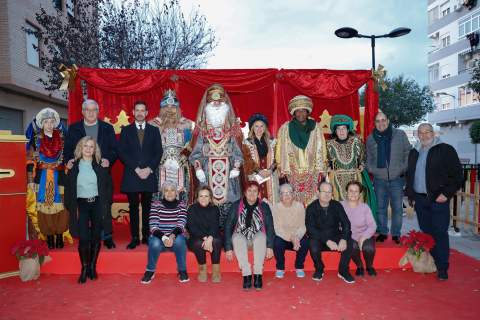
(300, 34)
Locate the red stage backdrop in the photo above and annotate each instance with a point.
(252, 90)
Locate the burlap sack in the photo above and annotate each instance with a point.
(30, 268)
(422, 264)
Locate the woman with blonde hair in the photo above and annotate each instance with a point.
(259, 163)
(88, 197)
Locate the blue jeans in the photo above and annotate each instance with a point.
(434, 219)
(279, 247)
(389, 192)
(155, 246)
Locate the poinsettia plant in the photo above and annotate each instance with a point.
(30, 249)
(417, 242)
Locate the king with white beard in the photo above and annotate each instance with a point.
(216, 155)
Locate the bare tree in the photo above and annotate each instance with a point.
(126, 34)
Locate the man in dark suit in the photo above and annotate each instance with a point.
(104, 134)
(140, 150)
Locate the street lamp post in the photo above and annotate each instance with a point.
(348, 32)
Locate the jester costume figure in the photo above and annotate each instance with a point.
(346, 158)
(301, 151)
(176, 132)
(216, 155)
(45, 174)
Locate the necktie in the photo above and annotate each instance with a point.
(141, 134)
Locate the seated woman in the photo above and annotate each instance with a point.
(167, 220)
(289, 224)
(203, 225)
(249, 223)
(88, 188)
(363, 228)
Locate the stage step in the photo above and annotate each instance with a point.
(120, 260)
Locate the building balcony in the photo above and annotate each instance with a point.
(459, 114)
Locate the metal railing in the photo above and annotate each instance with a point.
(465, 205)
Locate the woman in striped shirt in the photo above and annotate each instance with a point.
(167, 220)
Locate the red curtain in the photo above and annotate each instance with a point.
(251, 90)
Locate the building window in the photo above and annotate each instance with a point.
(33, 55)
(469, 24)
(466, 96)
(445, 8)
(445, 106)
(433, 73)
(57, 4)
(445, 40)
(70, 4)
(433, 15)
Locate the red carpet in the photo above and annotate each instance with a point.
(394, 294)
(121, 260)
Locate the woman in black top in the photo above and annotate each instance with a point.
(88, 195)
(204, 229)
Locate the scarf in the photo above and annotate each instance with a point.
(262, 147)
(51, 147)
(300, 134)
(170, 204)
(384, 142)
(250, 220)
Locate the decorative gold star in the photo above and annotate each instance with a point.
(122, 120)
(325, 119)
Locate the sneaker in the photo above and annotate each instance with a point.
(300, 273)
(317, 276)
(372, 272)
(442, 275)
(347, 277)
(148, 277)
(396, 239)
(183, 276)
(360, 272)
(279, 274)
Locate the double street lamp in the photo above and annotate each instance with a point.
(348, 32)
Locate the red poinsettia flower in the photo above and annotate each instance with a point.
(417, 241)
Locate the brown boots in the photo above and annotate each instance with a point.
(216, 276)
(203, 276)
(202, 273)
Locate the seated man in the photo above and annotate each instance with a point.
(329, 229)
(289, 224)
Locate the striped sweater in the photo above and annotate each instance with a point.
(167, 217)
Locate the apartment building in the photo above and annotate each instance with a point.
(21, 95)
(454, 29)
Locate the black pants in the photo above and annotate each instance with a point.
(195, 245)
(279, 247)
(89, 221)
(316, 248)
(133, 205)
(368, 250)
(434, 219)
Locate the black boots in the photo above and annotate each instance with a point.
(51, 242)
(92, 268)
(257, 281)
(109, 243)
(134, 243)
(247, 282)
(59, 241)
(84, 253)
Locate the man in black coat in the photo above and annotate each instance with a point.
(329, 229)
(140, 150)
(104, 134)
(433, 177)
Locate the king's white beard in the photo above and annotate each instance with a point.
(216, 114)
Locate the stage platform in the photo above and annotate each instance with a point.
(123, 261)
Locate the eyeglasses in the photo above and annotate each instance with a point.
(327, 192)
(288, 193)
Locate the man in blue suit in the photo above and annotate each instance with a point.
(104, 134)
(140, 150)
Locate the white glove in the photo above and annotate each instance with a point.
(201, 176)
(234, 173)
